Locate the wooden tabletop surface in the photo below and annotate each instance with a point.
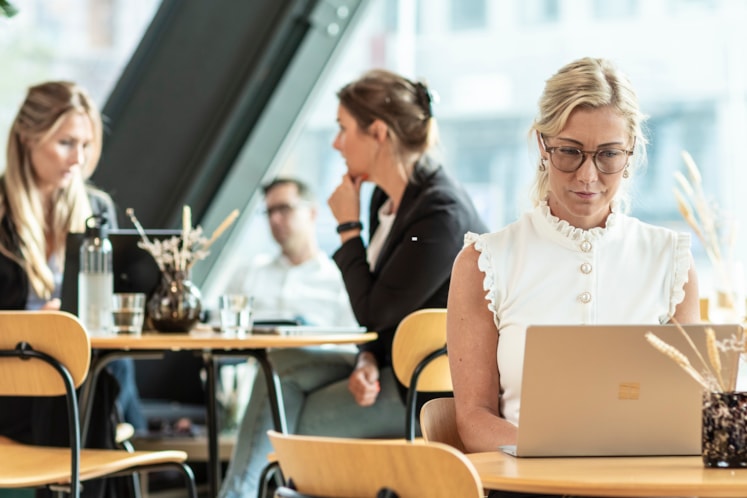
(210, 340)
(608, 476)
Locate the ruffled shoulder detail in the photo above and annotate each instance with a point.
(484, 264)
(470, 238)
(569, 231)
(682, 262)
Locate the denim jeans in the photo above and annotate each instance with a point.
(317, 402)
(128, 400)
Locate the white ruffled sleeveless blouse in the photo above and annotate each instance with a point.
(541, 270)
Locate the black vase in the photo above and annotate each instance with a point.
(725, 429)
(176, 304)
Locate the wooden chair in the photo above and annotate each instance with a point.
(703, 304)
(47, 353)
(438, 423)
(419, 358)
(357, 468)
(419, 361)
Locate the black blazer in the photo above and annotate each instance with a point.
(414, 267)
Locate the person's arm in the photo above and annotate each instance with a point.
(688, 311)
(345, 204)
(363, 382)
(412, 272)
(472, 341)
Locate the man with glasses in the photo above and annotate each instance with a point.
(301, 283)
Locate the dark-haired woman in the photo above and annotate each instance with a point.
(416, 226)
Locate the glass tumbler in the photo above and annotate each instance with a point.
(235, 314)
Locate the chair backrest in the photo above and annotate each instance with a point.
(419, 334)
(358, 468)
(55, 333)
(419, 358)
(438, 423)
(703, 304)
(46, 353)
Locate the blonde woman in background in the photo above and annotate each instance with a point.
(54, 146)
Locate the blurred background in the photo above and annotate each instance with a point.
(486, 59)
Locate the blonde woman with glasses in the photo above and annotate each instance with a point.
(576, 258)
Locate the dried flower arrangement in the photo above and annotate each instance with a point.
(710, 376)
(717, 233)
(724, 410)
(180, 253)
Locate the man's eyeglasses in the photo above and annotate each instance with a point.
(282, 209)
(569, 159)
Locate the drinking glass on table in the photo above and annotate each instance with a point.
(235, 314)
(128, 312)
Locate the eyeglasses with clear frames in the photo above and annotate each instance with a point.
(608, 160)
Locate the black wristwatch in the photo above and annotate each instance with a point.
(349, 225)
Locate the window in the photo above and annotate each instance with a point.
(614, 11)
(86, 41)
(489, 79)
(468, 14)
(692, 88)
(534, 12)
(686, 8)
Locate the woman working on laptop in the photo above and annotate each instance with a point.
(576, 258)
(53, 148)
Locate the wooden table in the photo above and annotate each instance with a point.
(211, 345)
(608, 476)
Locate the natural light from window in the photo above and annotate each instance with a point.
(489, 63)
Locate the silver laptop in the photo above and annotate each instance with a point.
(307, 330)
(603, 390)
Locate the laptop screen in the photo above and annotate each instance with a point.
(134, 268)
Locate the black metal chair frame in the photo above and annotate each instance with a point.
(412, 392)
(25, 352)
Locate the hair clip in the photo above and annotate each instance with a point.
(426, 98)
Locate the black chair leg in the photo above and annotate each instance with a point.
(136, 484)
(270, 472)
(189, 478)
